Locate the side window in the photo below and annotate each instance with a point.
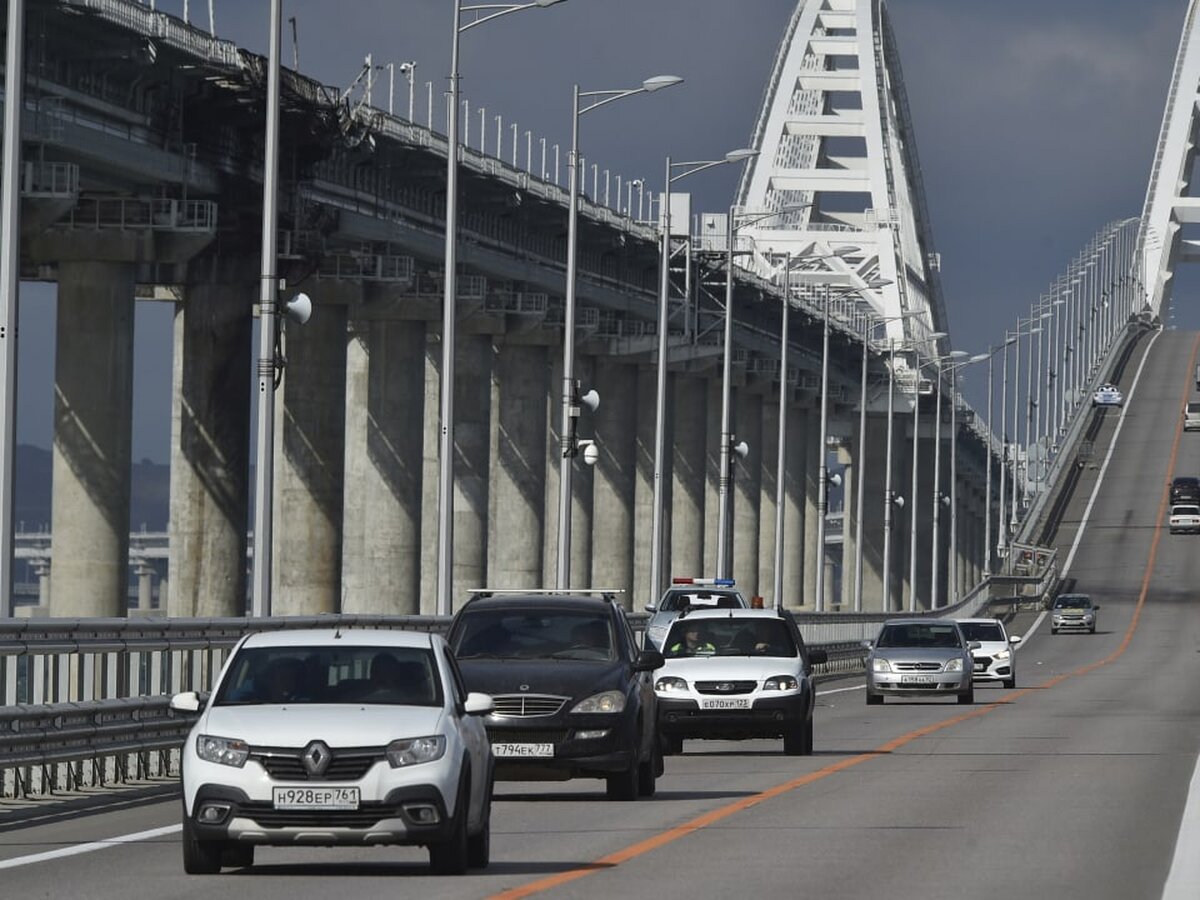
(460, 688)
(630, 640)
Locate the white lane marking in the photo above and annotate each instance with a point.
(89, 848)
(1112, 445)
(1183, 881)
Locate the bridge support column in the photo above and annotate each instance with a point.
(813, 556)
(712, 477)
(385, 401)
(872, 455)
(794, 525)
(93, 412)
(747, 489)
(922, 541)
(473, 364)
(616, 434)
(518, 495)
(310, 431)
(685, 514)
(768, 439)
(210, 444)
(643, 494)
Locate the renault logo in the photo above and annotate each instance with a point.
(316, 758)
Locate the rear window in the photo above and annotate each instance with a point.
(1185, 510)
(678, 600)
(1193, 407)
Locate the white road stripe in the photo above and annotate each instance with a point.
(88, 848)
(1183, 881)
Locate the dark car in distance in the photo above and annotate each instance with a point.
(1185, 489)
(574, 695)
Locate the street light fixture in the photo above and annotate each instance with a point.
(938, 497)
(987, 504)
(952, 592)
(660, 401)
(913, 505)
(445, 539)
(570, 387)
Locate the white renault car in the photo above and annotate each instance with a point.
(337, 737)
(996, 656)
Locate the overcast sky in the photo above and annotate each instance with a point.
(1036, 122)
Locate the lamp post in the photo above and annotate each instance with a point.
(409, 70)
(1019, 332)
(979, 357)
(445, 531)
(781, 452)
(660, 395)
(987, 502)
(570, 408)
(937, 474)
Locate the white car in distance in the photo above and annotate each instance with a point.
(995, 657)
(328, 737)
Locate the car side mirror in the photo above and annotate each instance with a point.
(651, 607)
(478, 704)
(648, 661)
(973, 645)
(868, 645)
(1095, 607)
(1014, 639)
(188, 701)
(817, 657)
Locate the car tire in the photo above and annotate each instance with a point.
(238, 856)
(1092, 630)
(672, 745)
(968, 696)
(874, 699)
(200, 857)
(1054, 631)
(797, 740)
(1010, 683)
(623, 785)
(479, 845)
(648, 772)
(450, 856)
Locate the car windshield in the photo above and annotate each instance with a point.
(1073, 603)
(674, 601)
(340, 675)
(534, 634)
(729, 637)
(919, 634)
(982, 631)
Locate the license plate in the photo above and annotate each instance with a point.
(725, 703)
(506, 748)
(315, 798)
(917, 679)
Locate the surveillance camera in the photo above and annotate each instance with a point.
(899, 501)
(591, 400)
(591, 453)
(742, 449)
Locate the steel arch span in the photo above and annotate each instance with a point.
(838, 163)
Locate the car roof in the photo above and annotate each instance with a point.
(705, 613)
(980, 620)
(923, 620)
(516, 600)
(339, 637)
(1075, 596)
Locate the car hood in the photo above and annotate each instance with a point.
(990, 648)
(340, 725)
(559, 677)
(739, 668)
(918, 654)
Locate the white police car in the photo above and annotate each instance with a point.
(685, 593)
(734, 674)
(1107, 395)
(337, 737)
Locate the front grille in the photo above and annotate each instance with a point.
(528, 735)
(284, 763)
(982, 662)
(527, 706)
(726, 688)
(366, 816)
(917, 666)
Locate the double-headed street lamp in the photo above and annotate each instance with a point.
(987, 503)
(484, 13)
(916, 468)
(660, 401)
(570, 405)
(952, 591)
(937, 474)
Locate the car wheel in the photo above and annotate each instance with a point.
(1011, 683)
(238, 856)
(623, 785)
(797, 740)
(200, 857)
(449, 857)
(1054, 631)
(672, 745)
(479, 845)
(648, 772)
(1092, 630)
(874, 699)
(968, 696)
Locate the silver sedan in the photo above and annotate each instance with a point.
(920, 657)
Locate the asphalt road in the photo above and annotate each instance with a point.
(1071, 786)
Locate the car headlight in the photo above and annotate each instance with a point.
(781, 683)
(880, 665)
(1003, 654)
(225, 751)
(669, 684)
(953, 665)
(413, 751)
(604, 702)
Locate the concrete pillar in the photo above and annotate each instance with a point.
(712, 476)
(518, 490)
(385, 409)
(768, 439)
(794, 525)
(812, 462)
(310, 428)
(41, 569)
(472, 425)
(145, 588)
(747, 487)
(923, 539)
(93, 386)
(643, 496)
(687, 438)
(849, 456)
(874, 460)
(430, 435)
(615, 478)
(210, 444)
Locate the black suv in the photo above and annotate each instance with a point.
(1185, 489)
(574, 695)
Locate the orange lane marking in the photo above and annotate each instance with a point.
(712, 817)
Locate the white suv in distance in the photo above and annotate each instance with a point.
(995, 657)
(327, 737)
